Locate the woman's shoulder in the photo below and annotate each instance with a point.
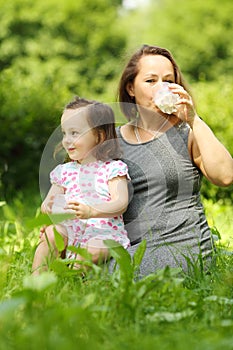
(126, 132)
(126, 128)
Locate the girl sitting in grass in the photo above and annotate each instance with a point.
(93, 182)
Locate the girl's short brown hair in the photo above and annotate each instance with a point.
(101, 119)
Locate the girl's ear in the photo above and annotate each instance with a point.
(100, 137)
(130, 89)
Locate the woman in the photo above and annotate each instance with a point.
(167, 154)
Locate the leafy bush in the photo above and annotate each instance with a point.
(50, 51)
(198, 33)
(215, 105)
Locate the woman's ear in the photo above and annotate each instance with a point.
(130, 89)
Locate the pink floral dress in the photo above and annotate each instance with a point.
(88, 184)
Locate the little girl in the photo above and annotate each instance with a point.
(94, 185)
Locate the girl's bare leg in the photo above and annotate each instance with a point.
(47, 248)
(97, 249)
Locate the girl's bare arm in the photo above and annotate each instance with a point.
(118, 190)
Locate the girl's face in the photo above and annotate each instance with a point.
(79, 139)
(153, 69)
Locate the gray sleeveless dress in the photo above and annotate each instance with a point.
(165, 206)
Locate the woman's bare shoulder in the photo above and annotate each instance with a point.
(127, 132)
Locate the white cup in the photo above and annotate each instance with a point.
(164, 99)
(59, 204)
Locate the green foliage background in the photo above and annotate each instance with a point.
(52, 50)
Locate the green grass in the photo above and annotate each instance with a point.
(60, 310)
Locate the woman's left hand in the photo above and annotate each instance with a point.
(82, 211)
(185, 107)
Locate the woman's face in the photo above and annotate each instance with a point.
(153, 69)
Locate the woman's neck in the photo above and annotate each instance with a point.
(156, 122)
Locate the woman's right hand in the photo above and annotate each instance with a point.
(185, 107)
